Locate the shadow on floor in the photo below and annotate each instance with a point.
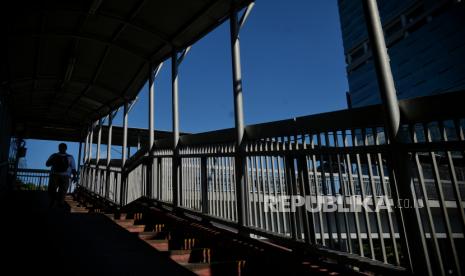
(36, 239)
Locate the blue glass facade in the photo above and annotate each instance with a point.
(426, 45)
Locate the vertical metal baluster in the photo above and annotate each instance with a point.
(232, 190)
(453, 175)
(224, 163)
(184, 187)
(282, 193)
(375, 199)
(344, 193)
(254, 217)
(443, 207)
(275, 193)
(198, 184)
(210, 187)
(263, 186)
(220, 185)
(211, 181)
(217, 185)
(363, 193)
(334, 191)
(325, 191)
(421, 180)
(166, 164)
(223, 188)
(258, 192)
(191, 183)
(231, 182)
(386, 195)
(271, 214)
(305, 191)
(317, 190)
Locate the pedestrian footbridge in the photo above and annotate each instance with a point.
(199, 203)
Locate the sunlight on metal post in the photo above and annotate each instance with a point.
(91, 142)
(175, 118)
(151, 107)
(109, 141)
(99, 141)
(124, 153)
(239, 120)
(149, 168)
(79, 157)
(414, 241)
(86, 147)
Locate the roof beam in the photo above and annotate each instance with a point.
(93, 85)
(104, 15)
(83, 37)
(115, 36)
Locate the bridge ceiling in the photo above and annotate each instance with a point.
(66, 63)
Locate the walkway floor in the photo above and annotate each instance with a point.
(44, 241)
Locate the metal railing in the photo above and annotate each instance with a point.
(32, 179)
(342, 154)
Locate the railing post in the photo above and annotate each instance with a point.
(98, 187)
(109, 141)
(84, 158)
(239, 160)
(124, 149)
(90, 181)
(290, 189)
(78, 169)
(149, 180)
(91, 141)
(304, 187)
(175, 118)
(204, 184)
(410, 224)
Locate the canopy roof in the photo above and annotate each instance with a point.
(69, 62)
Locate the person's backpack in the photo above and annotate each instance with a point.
(61, 163)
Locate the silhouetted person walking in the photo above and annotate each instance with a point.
(63, 166)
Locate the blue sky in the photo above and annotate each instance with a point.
(292, 65)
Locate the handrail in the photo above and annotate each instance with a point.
(33, 170)
(421, 109)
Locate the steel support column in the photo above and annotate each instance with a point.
(240, 165)
(99, 141)
(91, 141)
(109, 141)
(79, 159)
(410, 225)
(84, 160)
(175, 117)
(124, 149)
(98, 185)
(149, 182)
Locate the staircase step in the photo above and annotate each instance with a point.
(179, 256)
(126, 222)
(160, 245)
(218, 268)
(153, 235)
(135, 228)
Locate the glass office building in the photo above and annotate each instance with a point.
(426, 42)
